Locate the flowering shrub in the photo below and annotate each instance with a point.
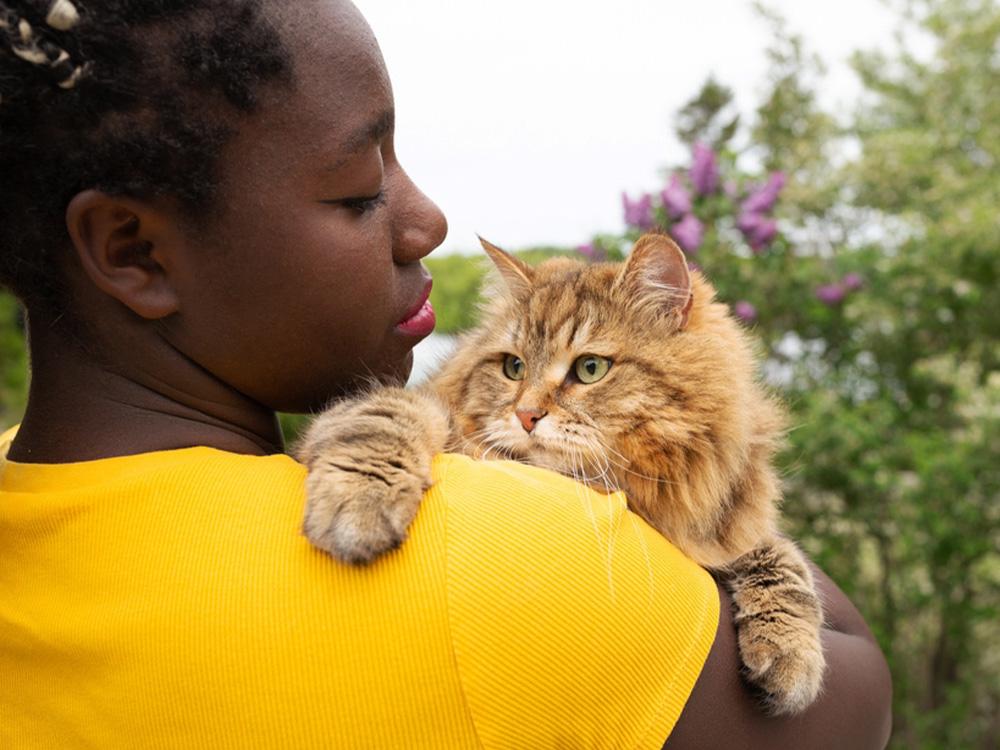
(726, 222)
(872, 277)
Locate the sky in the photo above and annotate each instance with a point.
(526, 119)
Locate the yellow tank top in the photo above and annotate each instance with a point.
(168, 600)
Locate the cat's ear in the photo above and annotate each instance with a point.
(656, 276)
(517, 275)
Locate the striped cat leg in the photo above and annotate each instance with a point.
(778, 616)
(369, 461)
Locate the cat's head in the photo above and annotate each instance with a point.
(602, 368)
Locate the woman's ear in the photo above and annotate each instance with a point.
(127, 248)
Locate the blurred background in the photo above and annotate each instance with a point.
(833, 169)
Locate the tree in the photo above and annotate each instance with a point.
(877, 303)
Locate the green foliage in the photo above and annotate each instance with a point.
(929, 183)
(791, 133)
(709, 117)
(455, 296)
(13, 363)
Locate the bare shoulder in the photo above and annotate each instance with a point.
(853, 710)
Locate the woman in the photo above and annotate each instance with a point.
(206, 221)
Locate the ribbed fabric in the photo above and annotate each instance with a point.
(168, 600)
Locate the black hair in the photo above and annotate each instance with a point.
(131, 97)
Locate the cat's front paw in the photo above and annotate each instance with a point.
(358, 516)
(778, 618)
(369, 461)
(788, 672)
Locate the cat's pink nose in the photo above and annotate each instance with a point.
(529, 417)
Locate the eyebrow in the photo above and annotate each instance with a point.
(370, 132)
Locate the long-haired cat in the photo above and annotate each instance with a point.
(627, 376)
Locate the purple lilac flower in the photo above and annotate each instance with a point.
(745, 311)
(748, 222)
(704, 170)
(764, 235)
(689, 233)
(852, 282)
(762, 199)
(676, 199)
(759, 230)
(731, 189)
(831, 294)
(638, 213)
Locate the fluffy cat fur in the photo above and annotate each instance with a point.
(679, 423)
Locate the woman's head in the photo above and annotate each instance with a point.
(215, 191)
(113, 97)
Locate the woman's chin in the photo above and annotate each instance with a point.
(401, 373)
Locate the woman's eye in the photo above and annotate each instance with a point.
(364, 205)
(590, 368)
(513, 367)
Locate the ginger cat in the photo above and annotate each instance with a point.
(624, 376)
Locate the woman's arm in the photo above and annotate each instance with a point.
(853, 711)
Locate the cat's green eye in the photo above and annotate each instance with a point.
(513, 367)
(590, 368)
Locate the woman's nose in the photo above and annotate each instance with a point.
(419, 226)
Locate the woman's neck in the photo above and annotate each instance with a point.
(152, 399)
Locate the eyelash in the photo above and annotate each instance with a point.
(364, 205)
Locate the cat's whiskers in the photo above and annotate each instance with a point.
(700, 442)
(580, 471)
(645, 553)
(492, 444)
(605, 448)
(476, 438)
(658, 480)
(600, 451)
(594, 467)
(491, 438)
(497, 442)
(599, 448)
(576, 467)
(601, 465)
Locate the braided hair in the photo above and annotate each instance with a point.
(131, 97)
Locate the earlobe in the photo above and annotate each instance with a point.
(124, 248)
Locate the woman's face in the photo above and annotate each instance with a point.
(299, 290)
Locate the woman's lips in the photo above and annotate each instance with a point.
(420, 321)
(420, 324)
